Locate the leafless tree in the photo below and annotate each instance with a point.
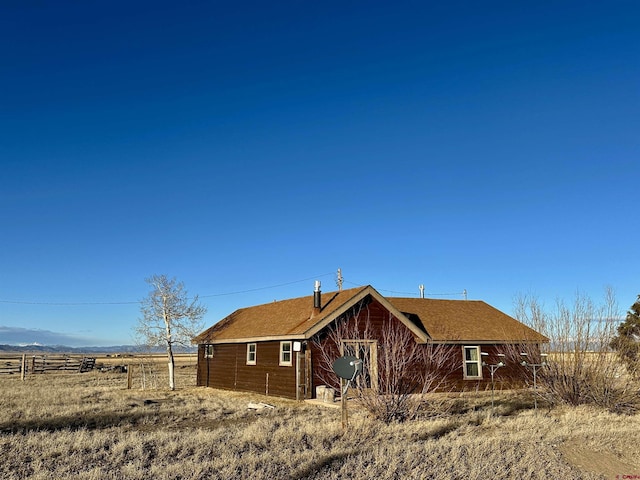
(169, 318)
(580, 366)
(530, 311)
(397, 370)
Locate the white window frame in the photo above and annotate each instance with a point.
(283, 362)
(466, 363)
(252, 354)
(208, 351)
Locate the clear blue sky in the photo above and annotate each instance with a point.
(486, 146)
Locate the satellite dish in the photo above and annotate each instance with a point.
(347, 367)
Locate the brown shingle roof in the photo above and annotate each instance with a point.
(439, 320)
(465, 320)
(282, 318)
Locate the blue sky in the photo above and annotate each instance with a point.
(254, 147)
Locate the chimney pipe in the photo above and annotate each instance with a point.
(317, 296)
(421, 287)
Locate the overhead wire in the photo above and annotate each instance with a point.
(265, 288)
(414, 294)
(237, 292)
(74, 304)
(67, 304)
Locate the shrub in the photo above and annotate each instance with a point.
(580, 366)
(402, 370)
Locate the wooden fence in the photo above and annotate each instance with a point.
(25, 363)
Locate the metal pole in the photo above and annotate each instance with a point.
(493, 368)
(343, 403)
(535, 391)
(492, 388)
(534, 367)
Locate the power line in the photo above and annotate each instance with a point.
(66, 304)
(238, 292)
(265, 288)
(413, 294)
(76, 304)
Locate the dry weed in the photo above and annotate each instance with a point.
(91, 427)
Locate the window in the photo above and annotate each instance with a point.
(472, 366)
(208, 351)
(251, 353)
(285, 354)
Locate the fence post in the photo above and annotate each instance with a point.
(129, 376)
(23, 366)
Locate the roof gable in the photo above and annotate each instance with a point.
(278, 319)
(452, 321)
(420, 334)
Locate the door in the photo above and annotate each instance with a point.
(303, 375)
(367, 352)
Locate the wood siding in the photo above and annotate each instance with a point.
(228, 369)
(371, 318)
(511, 375)
(365, 321)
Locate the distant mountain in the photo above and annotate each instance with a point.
(111, 349)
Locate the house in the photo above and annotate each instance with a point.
(285, 348)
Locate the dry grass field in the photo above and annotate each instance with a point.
(90, 426)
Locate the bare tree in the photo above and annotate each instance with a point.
(169, 317)
(407, 370)
(581, 367)
(396, 370)
(530, 311)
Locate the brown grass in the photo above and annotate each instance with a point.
(89, 426)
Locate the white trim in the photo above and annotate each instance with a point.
(477, 361)
(251, 353)
(472, 342)
(282, 362)
(467, 341)
(208, 350)
(272, 338)
(421, 337)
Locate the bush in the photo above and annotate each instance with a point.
(396, 370)
(581, 367)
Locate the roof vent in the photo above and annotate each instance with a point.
(421, 287)
(317, 296)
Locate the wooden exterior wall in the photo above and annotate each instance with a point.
(228, 369)
(365, 321)
(511, 375)
(371, 319)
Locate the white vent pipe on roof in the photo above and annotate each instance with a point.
(316, 295)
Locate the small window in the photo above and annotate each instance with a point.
(472, 365)
(285, 354)
(251, 354)
(208, 351)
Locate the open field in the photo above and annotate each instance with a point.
(90, 426)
